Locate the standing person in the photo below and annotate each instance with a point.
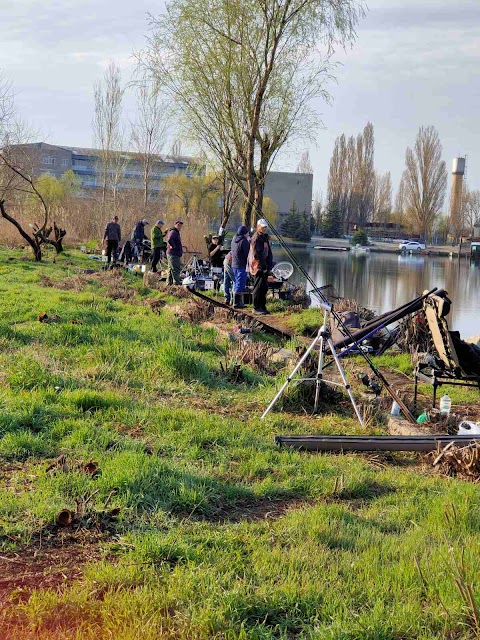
(158, 243)
(240, 250)
(174, 253)
(111, 238)
(138, 236)
(228, 278)
(215, 252)
(260, 262)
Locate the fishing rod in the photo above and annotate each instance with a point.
(385, 323)
(342, 324)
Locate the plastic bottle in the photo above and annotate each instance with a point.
(445, 405)
(395, 411)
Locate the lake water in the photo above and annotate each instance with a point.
(383, 281)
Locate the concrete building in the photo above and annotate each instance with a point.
(287, 187)
(85, 163)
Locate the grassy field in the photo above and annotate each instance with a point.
(189, 522)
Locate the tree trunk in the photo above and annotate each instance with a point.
(36, 246)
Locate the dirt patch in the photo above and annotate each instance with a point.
(261, 509)
(25, 571)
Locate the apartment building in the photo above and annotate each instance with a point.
(86, 164)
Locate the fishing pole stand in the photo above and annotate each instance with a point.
(323, 340)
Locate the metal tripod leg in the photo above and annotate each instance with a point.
(323, 338)
(321, 360)
(344, 379)
(292, 375)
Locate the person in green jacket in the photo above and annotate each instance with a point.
(158, 243)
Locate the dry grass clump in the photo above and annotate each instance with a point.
(195, 311)
(414, 336)
(348, 304)
(76, 282)
(258, 355)
(300, 298)
(455, 460)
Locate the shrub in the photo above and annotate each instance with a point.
(360, 237)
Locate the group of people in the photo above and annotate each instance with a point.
(168, 241)
(247, 255)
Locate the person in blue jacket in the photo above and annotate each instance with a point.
(239, 249)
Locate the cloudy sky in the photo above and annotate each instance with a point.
(415, 62)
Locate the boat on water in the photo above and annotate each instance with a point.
(359, 249)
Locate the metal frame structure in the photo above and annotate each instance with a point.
(440, 377)
(323, 339)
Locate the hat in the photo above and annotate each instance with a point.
(179, 222)
(262, 223)
(215, 236)
(241, 231)
(145, 221)
(159, 222)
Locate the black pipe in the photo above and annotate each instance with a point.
(373, 443)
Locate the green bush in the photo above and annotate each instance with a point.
(360, 237)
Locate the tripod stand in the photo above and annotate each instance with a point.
(323, 339)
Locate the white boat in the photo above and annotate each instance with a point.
(359, 249)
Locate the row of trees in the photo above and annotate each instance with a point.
(358, 194)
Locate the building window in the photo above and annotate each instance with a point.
(48, 160)
(64, 162)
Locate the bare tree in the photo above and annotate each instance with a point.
(425, 181)
(351, 181)
(149, 132)
(382, 197)
(108, 96)
(243, 74)
(305, 166)
(17, 182)
(364, 177)
(470, 209)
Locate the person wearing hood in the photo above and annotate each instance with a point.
(260, 262)
(240, 248)
(138, 236)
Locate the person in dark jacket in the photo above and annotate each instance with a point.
(260, 263)
(215, 252)
(139, 232)
(240, 249)
(138, 236)
(174, 253)
(111, 238)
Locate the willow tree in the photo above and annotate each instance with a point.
(244, 73)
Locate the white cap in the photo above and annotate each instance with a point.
(262, 223)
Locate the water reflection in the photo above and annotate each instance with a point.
(383, 281)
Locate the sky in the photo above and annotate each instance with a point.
(414, 62)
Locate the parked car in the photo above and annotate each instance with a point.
(411, 245)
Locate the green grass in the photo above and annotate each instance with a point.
(219, 533)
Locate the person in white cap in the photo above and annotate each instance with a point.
(260, 262)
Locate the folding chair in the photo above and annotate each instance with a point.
(448, 368)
